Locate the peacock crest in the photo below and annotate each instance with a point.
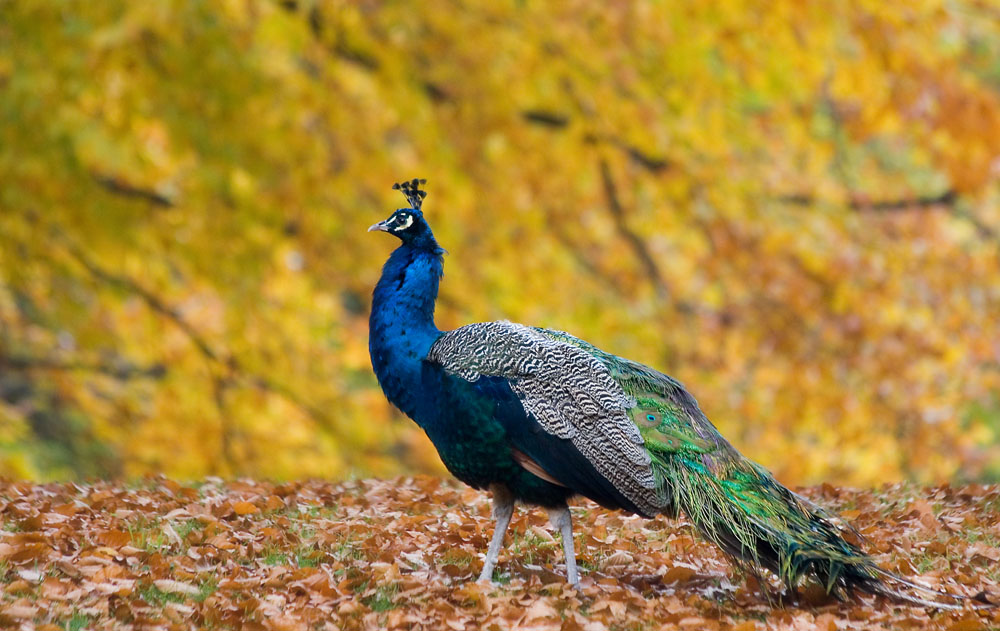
(412, 191)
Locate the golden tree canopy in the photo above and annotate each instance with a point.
(790, 206)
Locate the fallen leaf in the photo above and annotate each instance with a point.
(244, 508)
(176, 587)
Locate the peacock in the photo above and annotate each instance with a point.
(538, 416)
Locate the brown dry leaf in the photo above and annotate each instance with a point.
(826, 622)
(616, 607)
(113, 538)
(543, 534)
(29, 553)
(541, 609)
(678, 574)
(176, 587)
(285, 623)
(620, 558)
(244, 508)
(20, 610)
(923, 510)
(18, 586)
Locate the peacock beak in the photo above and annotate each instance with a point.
(381, 226)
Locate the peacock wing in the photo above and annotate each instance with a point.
(569, 393)
(667, 416)
(679, 439)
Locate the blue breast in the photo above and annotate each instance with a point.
(467, 422)
(401, 327)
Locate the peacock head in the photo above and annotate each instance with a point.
(408, 223)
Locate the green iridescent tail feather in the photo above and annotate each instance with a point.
(759, 523)
(736, 503)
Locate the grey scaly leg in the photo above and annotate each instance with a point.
(561, 519)
(503, 509)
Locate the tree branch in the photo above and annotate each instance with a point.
(557, 120)
(224, 359)
(636, 243)
(946, 198)
(121, 187)
(151, 300)
(985, 231)
(545, 118)
(340, 48)
(579, 254)
(119, 370)
(653, 164)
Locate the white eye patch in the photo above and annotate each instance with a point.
(407, 222)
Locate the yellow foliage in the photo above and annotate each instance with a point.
(790, 206)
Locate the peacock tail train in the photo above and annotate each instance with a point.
(736, 503)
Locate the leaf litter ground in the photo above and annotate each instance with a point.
(403, 554)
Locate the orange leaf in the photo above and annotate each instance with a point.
(244, 508)
(968, 624)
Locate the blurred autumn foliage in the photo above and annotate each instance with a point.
(793, 207)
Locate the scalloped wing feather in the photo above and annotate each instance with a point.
(567, 391)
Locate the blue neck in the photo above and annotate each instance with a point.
(401, 327)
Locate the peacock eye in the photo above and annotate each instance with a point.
(403, 221)
(648, 421)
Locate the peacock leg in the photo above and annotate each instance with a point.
(503, 509)
(561, 519)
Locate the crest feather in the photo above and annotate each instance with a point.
(412, 191)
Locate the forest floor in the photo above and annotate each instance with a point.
(404, 554)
